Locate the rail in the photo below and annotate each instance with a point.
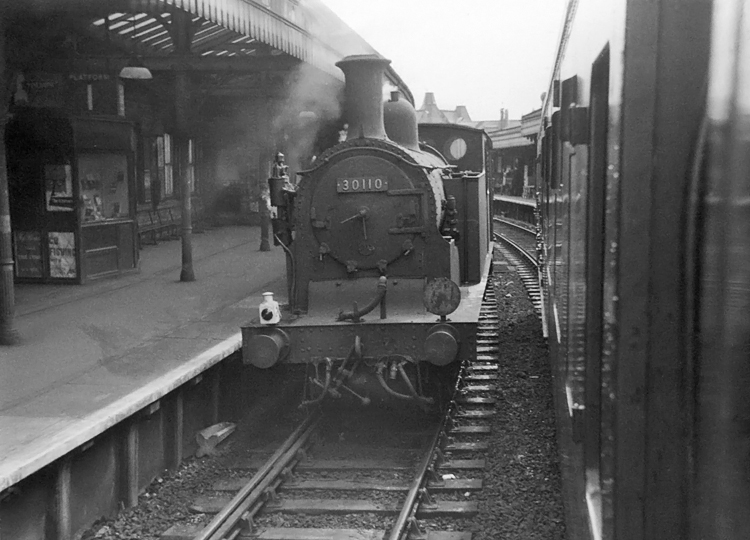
(530, 273)
(512, 223)
(418, 489)
(238, 514)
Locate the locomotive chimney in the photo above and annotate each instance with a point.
(364, 95)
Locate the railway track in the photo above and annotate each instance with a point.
(517, 243)
(519, 233)
(328, 480)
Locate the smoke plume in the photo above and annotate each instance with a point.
(307, 119)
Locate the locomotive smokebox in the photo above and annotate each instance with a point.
(364, 95)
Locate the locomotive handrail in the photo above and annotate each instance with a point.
(379, 299)
(293, 287)
(326, 159)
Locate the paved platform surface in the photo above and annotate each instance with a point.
(93, 354)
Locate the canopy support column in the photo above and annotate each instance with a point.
(8, 334)
(182, 37)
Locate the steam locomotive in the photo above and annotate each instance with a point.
(387, 246)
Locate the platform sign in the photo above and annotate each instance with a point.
(62, 254)
(28, 254)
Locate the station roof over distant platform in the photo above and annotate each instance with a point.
(520, 134)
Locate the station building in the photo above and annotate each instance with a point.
(514, 155)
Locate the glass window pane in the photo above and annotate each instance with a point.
(168, 183)
(104, 186)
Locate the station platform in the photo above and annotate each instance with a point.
(516, 200)
(92, 355)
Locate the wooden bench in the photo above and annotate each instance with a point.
(170, 220)
(167, 221)
(155, 224)
(148, 228)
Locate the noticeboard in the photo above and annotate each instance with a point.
(62, 255)
(28, 255)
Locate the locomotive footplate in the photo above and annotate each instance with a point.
(408, 330)
(311, 342)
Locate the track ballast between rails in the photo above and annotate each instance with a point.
(518, 243)
(438, 480)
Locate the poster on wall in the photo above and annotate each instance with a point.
(28, 255)
(58, 181)
(62, 254)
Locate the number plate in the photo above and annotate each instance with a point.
(361, 185)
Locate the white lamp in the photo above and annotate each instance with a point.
(135, 69)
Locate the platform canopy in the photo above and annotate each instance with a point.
(227, 35)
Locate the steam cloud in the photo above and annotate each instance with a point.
(311, 108)
(309, 117)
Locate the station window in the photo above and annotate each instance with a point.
(148, 168)
(120, 99)
(166, 173)
(96, 94)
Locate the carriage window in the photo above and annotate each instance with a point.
(456, 148)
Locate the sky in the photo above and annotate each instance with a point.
(484, 54)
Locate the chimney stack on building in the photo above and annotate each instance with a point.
(429, 101)
(503, 118)
(462, 114)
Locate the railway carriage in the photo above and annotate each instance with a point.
(644, 160)
(388, 252)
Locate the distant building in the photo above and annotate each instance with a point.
(495, 125)
(512, 168)
(429, 113)
(514, 155)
